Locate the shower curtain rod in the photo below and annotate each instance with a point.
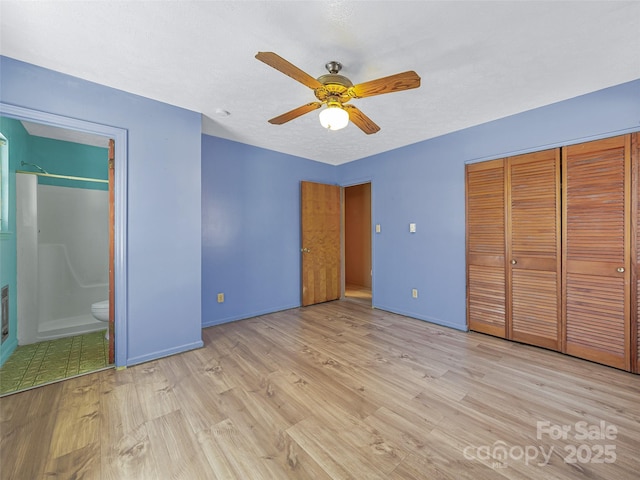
(65, 177)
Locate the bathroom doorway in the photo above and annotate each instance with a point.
(63, 245)
(357, 243)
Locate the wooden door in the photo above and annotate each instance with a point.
(486, 294)
(320, 249)
(596, 250)
(534, 249)
(112, 306)
(635, 254)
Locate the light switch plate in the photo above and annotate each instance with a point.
(412, 227)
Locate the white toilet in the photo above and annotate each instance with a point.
(100, 311)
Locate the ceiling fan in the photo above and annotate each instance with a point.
(335, 90)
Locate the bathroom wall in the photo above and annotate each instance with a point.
(16, 137)
(67, 158)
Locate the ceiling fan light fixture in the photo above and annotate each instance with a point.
(334, 90)
(334, 117)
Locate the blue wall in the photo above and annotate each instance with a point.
(418, 184)
(251, 228)
(424, 183)
(163, 201)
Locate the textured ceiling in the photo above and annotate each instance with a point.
(478, 60)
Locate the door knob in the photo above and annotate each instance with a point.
(305, 250)
(514, 261)
(620, 269)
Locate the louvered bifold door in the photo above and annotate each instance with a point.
(534, 249)
(635, 253)
(485, 247)
(596, 250)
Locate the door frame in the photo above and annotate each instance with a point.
(119, 135)
(354, 183)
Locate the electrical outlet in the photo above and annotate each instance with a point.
(221, 298)
(414, 293)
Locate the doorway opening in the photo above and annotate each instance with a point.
(117, 231)
(358, 271)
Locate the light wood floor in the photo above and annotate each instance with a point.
(334, 391)
(358, 293)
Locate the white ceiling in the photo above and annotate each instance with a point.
(478, 60)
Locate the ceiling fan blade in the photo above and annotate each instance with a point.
(360, 120)
(295, 113)
(276, 61)
(392, 83)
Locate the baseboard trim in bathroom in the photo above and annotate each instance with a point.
(47, 362)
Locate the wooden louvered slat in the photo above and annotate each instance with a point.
(534, 311)
(596, 228)
(594, 328)
(485, 247)
(596, 220)
(486, 301)
(485, 210)
(533, 232)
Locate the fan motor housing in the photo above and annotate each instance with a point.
(334, 85)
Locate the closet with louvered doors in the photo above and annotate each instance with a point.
(596, 251)
(513, 248)
(568, 276)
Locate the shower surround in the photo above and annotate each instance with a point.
(62, 252)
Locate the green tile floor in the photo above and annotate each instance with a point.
(45, 362)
